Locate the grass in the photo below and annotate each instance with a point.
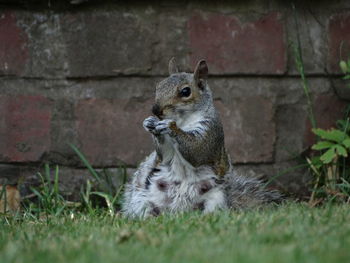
(291, 233)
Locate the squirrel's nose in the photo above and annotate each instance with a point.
(156, 110)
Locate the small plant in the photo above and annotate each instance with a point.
(330, 167)
(50, 201)
(105, 187)
(335, 142)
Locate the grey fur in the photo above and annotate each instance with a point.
(190, 168)
(243, 192)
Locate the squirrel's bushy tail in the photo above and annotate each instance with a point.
(245, 192)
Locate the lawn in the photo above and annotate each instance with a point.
(290, 233)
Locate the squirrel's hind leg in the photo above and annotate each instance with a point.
(215, 200)
(135, 199)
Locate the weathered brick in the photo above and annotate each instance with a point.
(104, 43)
(13, 45)
(231, 46)
(290, 125)
(327, 108)
(9, 174)
(111, 131)
(285, 90)
(313, 39)
(173, 43)
(342, 88)
(249, 128)
(339, 40)
(63, 132)
(24, 128)
(45, 44)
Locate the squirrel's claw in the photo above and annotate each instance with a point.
(155, 126)
(150, 123)
(164, 126)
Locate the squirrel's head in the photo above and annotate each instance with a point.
(182, 93)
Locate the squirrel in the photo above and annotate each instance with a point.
(190, 168)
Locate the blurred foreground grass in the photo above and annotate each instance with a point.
(290, 233)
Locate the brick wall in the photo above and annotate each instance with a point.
(85, 74)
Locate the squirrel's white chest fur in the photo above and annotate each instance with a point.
(179, 168)
(174, 165)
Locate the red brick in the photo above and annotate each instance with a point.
(110, 131)
(249, 128)
(104, 43)
(231, 46)
(24, 128)
(338, 40)
(13, 45)
(327, 110)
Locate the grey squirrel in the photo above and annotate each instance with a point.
(190, 168)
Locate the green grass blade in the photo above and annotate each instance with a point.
(48, 174)
(56, 188)
(86, 162)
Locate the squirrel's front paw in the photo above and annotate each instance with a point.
(165, 127)
(150, 123)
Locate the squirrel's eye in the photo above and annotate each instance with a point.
(185, 92)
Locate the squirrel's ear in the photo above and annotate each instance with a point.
(201, 71)
(172, 66)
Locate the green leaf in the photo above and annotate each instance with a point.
(347, 77)
(331, 135)
(316, 161)
(341, 150)
(346, 143)
(322, 145)
(328, 156)
(343, 66)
